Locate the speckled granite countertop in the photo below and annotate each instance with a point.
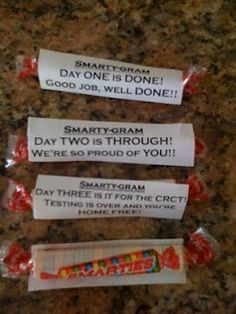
(157, 33)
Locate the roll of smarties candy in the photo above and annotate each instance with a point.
(108, 263)
(139, 262)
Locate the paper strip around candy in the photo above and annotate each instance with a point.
(108, 263)
(124, 80)
(55, 197)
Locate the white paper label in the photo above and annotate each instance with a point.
(74, 140)
(57, 197)
(46, 259)
(101, 77)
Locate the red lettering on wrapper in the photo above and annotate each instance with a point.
(100, 272)
(111, 270)
(125, 267)
(138, 266)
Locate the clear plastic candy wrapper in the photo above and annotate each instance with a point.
(108, 263)
(25, 67)
(17, 150)
(16, 198)
(192, 78)
(108, 78)
(58, 197)
(198, 190)
(63, 140)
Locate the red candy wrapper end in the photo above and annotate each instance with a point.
(192, 78)
(197, 188)
(25, 67)
(14, 260)
(17, 150)
(200, 148)
(16, 198)
(201, 249)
